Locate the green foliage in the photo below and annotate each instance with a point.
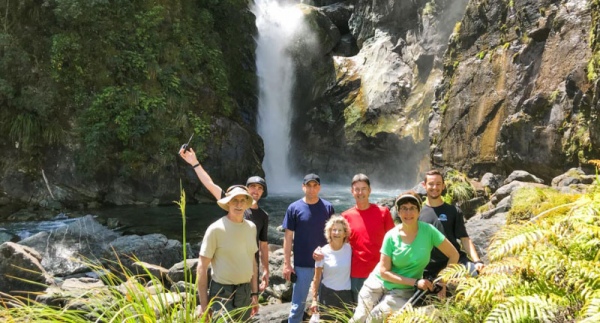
(458, 187)
(530, 201)
(128, 80)
(544, 270)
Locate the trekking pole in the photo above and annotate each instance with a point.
(413, 299)
(420, 293)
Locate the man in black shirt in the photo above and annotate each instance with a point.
(449, 220)
(257, 187)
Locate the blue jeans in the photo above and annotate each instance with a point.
(301, 287)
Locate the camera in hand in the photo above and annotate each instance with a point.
(186, 146)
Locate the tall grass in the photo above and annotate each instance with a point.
(125, 297)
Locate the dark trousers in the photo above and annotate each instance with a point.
(333, 299)
(235, 299)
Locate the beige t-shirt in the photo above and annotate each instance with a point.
(231, 246)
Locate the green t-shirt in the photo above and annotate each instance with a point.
(409, 260)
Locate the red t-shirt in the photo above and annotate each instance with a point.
(368, 229)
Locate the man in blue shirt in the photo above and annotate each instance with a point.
(304, 224)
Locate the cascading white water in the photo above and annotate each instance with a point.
(277, 23)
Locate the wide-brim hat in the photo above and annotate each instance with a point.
(408, 197)
(232, 192)
(260, 181)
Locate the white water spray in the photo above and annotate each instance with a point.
(277, 23)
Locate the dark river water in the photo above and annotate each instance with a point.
(168, 219)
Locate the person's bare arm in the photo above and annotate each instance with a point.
(264, 259)
(254, 288)
(190, 157)
(287, 254)
(202, 274)
(314, 287)
(471, 251)
(385, 269)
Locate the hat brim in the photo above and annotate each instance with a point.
(224, 202)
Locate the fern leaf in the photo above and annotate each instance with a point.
(513, 239)
(522, 308)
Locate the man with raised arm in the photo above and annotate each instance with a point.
(368, 224)
(449, 220)
(257, 187)
(304, 224)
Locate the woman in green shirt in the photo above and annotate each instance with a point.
(404, 254)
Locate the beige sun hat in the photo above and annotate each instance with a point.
(232, 192)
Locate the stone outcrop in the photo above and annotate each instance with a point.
(73, 248)
(375, 112)
(21, 271)
(516, 92)
(152, 248)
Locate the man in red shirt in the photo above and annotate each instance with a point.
(368, 224)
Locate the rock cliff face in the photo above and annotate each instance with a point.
(478, 86)
(373, 117)
(516, 92)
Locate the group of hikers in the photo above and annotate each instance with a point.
(359, 258)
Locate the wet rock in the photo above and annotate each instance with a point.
(176, 272)
(71, 249)
(152, 248)
(22, 273)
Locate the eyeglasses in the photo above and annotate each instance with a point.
(407, 209)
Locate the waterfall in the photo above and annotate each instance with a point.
(277, 24)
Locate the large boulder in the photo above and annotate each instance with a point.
(21, 272)
(152, 248)
(73, 248)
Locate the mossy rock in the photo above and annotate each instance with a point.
(529, 202)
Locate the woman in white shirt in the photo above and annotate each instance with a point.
(331, 283)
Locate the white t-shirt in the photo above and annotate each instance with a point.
(336, 267)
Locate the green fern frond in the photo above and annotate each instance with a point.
(508, 265)
(524, 308)
(512, 239)
(591, 309)
(584, 277)
(485, 289)
(453, 272)
(414, 315)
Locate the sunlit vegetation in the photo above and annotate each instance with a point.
(541, 270)
(458, 187)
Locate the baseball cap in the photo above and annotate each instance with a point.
(311, 177)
